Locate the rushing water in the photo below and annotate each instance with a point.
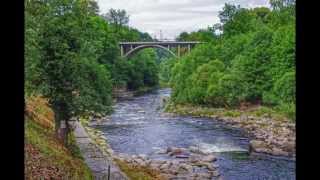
(138, 126)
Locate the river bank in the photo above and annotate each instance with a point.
(184, 163)
(145, 140)
(122, 165)
(271, 133)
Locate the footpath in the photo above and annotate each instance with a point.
(102, 166)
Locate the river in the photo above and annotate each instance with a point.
(138, 126)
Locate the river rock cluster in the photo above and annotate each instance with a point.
(181, 163)
(269, 136)
(187, 164)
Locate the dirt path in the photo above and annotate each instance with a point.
(94, 157)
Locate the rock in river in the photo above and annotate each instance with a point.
(257, 145)
(209, 158)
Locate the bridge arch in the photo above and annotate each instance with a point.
(138, 48)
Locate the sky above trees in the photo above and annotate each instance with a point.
(173, 17)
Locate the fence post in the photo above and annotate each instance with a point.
(108, 172)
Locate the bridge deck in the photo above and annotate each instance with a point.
(161, 43)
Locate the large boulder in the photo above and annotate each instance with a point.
(185, 168)
(165, 166)
(257, 146)
(197, 150)
(195, 158)
(209, 158)
(175, 151)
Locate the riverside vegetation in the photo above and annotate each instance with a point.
(72, 60)
(248, 71)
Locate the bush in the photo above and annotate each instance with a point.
(288, 109)
(285, 88)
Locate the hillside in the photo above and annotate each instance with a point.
(45, 156)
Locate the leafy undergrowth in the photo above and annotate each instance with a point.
(45, 156)
(138, 173)
(201, 111)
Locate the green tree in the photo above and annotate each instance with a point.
(73, 81)
(117, 17)
(257, 51)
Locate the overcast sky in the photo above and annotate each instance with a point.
(173, 16)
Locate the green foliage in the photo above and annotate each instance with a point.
(252, 61)
(284, 88)
(72, 56)
(288, 109)
(204, 35)
(143, 70)
(74, 81)
(165, 70)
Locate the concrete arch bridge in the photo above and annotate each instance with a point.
(129, 48)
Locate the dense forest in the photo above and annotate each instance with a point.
(248, 58)
(72, 56)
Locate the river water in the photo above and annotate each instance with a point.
(139, 126)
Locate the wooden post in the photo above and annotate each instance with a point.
(108, 172)
(62, 132)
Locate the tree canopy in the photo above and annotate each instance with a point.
(73, 58)
(253, 60)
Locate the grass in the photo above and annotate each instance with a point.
(45, 156)
(202, 111)
(138, 173)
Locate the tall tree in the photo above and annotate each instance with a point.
(228, 12)
(118, 17)
(74, 82)
(279, 4)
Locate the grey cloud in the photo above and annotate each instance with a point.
(173, 17)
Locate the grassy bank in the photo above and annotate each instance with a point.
(138, 173)
(45, 156)
(202, 111)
